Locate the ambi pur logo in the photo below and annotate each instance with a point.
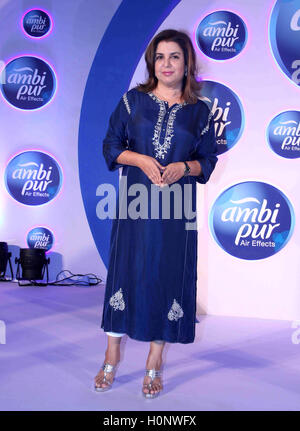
(36, 23)
(28, 83)
(221, 35)
(228, 113)
(284, 134)
(33, 178)
(284, 33)
(252, 220)
(41, 238)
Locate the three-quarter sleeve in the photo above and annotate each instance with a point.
(115, 141)
(206, 149)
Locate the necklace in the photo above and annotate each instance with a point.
(157, 94)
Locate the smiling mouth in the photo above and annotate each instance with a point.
(168, 73)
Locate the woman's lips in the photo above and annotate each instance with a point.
(167, 73)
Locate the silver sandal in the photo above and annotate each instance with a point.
(107, 368)
(151, 373)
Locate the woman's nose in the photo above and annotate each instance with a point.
(166, 62)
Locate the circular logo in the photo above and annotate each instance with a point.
(33, 178)
(221, 35)
(252, 220)
(284, 134)
(228, 113)
(28, 83)
(40, 237)
(284, 32)
(36, 23)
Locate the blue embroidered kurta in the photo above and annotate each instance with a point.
(151, 281)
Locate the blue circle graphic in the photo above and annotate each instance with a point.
(33, 178)
(252, 220)
(283, 134)
(28, 83)
(221, 35)
(284, 33)
(228, 113)
(41, 238)
(36, 23)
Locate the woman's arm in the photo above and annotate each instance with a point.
(128, 157)
(149, 165)
(194, 166)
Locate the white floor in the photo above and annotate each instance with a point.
(54, 348)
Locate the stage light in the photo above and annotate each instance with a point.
(5, 256)
(33, 262)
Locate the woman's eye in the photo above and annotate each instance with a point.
(160, 57)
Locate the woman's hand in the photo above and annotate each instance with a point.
(152, 168)
(173, 172)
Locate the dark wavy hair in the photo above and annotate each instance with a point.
(190, 86)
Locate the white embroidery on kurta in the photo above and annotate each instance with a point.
(157, 131)
(175, 312)
(210, 115)
(125, 100)
(162, 149)
(117, 301)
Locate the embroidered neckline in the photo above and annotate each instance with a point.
(162, 149)
(210, 116)
(125, 100)
(157, 99)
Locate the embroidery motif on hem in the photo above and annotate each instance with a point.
(125, 100)
(117, 301)
(175, 312)
(162, 149)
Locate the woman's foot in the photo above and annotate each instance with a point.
(153, 362)
(112, 357)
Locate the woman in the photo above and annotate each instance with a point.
(162, 136)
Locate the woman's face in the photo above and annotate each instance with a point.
(169, 64)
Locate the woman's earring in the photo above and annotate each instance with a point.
(185, 71)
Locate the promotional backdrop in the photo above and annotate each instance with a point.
(66, 65)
